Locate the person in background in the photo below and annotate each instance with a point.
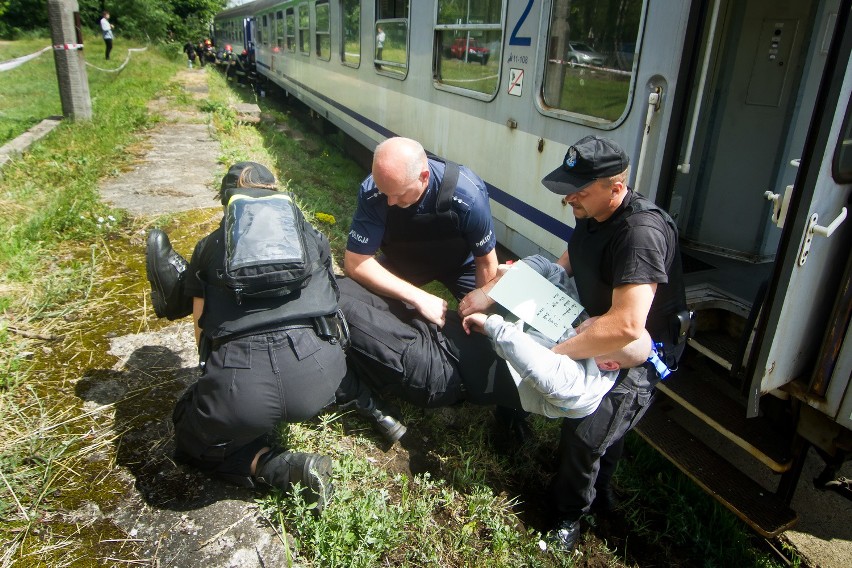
(189, 50)
(106, 29)
(380, 44)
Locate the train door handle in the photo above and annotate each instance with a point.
(814, 229)
(779, 205)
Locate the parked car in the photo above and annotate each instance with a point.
(475, 50)
(578, 52)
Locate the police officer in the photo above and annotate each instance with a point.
(265, 361)
(432, 221)
(625, 260)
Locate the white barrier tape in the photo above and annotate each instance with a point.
(120, 67)
(18, 61)
(68, 46)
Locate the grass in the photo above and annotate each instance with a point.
(49, 260)
(455, 501)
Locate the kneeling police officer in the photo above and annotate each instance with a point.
(265, 360)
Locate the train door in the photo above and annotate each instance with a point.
(754, 104)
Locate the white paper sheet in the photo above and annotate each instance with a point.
(536, 301)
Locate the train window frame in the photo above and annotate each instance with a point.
(390, 14)
(279, 30)
(290, 29)
(841, 165)
(599, 123)
(322, 34)
(344, 4)
(439, 31)
(304, 40)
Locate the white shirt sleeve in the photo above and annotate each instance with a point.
(552, 375)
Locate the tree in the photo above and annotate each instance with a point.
(156, 20)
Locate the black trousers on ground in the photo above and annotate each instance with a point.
(250, 386)
(590, 447)
(397, 353)
(108, 43)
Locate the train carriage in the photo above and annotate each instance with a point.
(736, 116)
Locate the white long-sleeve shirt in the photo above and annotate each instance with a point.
(106, 28)
(553, 385)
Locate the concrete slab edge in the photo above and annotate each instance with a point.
(22, 143)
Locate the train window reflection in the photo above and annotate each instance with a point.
(590, 56)
(323, 37)
(304, 30)
(279, 27)
(350, 52)
(392, 37)
(468, 39)
(392, 46)
(842, 168)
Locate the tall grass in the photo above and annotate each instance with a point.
(50, 201)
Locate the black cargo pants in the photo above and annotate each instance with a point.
(249, 386)
(397, 353)
(589, 447)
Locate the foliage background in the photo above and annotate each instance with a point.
(156, 20)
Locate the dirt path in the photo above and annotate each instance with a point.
(176, 517)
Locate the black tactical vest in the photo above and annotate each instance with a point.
(422, 247)
(591, 260)
(224, 318)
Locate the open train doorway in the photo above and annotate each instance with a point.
(748, 111)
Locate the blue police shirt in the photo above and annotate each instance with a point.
(470, 203)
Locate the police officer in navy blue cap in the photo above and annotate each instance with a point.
(624, 257)
(625, 260)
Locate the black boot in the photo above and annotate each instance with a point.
(355, 395)
(388, 426)
(165, 270)
(284, 469)
(512, 429)
(606, 501)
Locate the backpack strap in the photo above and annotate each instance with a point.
(448, 186)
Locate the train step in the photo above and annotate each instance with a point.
(764, 511)
(700, 387)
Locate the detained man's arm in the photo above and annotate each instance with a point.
(565, 262)
(549, 373)
(368, 272)
(622, 324)
(197, 310)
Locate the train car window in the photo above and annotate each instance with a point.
(279, 30)
(468, 40)
(290, 20)
(590, 57)
(323, 37)
(260, 31)
(391, 33)
(304, 30)
(350, 44)
(842, 167)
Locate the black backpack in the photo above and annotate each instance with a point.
(265, 250)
